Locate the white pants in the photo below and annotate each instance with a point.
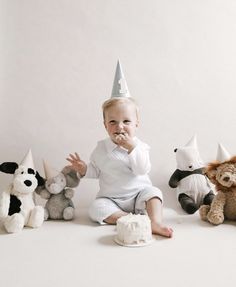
(103, 207)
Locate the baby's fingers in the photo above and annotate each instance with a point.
(70, 160)
(72, 156)
(118, 138)
(123, 137)
(126, 137)
(77, 156)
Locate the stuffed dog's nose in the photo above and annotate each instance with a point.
(27, 182)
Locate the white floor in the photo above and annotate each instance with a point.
(80, 253)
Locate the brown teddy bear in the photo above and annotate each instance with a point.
(222, 173)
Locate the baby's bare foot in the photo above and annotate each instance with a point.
(162, 230)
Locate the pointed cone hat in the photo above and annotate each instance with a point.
(222, 154)
(49, 171)
(28, 160)
(120, 88)
(192, 142)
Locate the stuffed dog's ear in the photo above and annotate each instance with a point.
(9, 167)
(41, 180)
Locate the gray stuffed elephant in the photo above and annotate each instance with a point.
(58, 192)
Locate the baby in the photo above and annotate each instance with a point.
(121, 163)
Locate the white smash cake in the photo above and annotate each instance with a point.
(134, 230)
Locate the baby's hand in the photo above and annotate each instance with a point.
(125, 141)
(77, 164)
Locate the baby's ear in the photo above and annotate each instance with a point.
(8, 167)
(105, 124)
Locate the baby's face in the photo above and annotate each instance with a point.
(121, 119)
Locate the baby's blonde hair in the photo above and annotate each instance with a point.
(119, 100)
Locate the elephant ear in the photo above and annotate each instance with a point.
(72, 177)
(8, 167)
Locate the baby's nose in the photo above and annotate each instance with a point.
(120, 125)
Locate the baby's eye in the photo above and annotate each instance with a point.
(127, 122)
(112, 122)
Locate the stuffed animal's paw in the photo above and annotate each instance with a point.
(69, 193)
(215, 217)
(14, 223)
(203, 211)
(46, 214)
(68, 213)
(36, 217)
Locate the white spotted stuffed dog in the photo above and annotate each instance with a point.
(17, 207)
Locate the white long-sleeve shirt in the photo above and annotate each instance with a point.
(120, 174)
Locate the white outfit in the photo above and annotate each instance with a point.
(123, 179)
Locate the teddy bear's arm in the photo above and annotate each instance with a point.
(173, 182)
(216, 213)
(4, 204)
(218, 202)
(69, 193)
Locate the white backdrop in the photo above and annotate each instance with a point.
(58, 60)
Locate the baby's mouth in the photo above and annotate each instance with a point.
(117, 134)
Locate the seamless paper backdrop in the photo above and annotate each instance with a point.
(58, 60)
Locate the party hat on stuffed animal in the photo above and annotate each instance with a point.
(120, 87)
(188, 156)
(49, 171)
(28, 160)
(192, 142)
(222, 154)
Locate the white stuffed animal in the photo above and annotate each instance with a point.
(17, 207)
(192, 186)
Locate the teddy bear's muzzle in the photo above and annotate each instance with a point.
(228, 179)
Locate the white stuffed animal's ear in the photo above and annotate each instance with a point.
(8, 167)
(72, 177)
